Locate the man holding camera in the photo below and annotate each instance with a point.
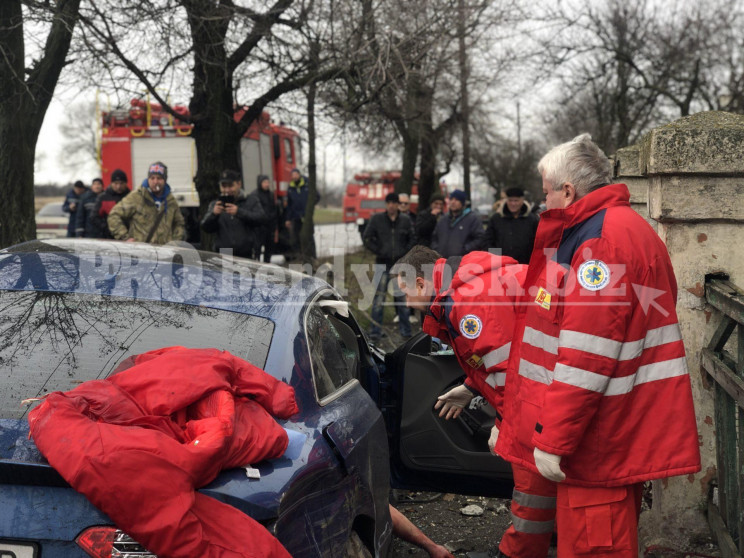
(233, 217)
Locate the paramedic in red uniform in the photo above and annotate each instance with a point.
(597, 397)
(469, 303)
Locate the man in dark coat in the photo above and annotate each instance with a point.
(426, 222)
(85, 225)
(71, 205)
(116, 192)
(294, 212)
(388, 236)
(512, 227)
(267, 234)
(458, 232)
(234, 217)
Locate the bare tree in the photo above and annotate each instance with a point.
(236, 56)
(78, 128)
(29, 72)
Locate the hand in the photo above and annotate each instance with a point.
(288, 224)
(549, 465)
(438, 551)
(129, 240)
(453, 402)
(231, 209)
(276, 236)
(436, 210)
(492, 439)
(72, 206)
(218, 208)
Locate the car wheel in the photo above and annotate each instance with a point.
(355, 547)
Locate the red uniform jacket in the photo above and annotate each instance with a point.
(138, 444)
(474, 313)
(597, 372)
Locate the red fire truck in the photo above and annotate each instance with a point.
(134, 137)
(366, 196)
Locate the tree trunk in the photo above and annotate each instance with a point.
(427, 183)
(465, 122)
(215, 131)
(23, 105)
(307, 244)
(410, 131)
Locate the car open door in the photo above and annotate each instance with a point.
(428, 452)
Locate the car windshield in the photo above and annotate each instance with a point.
(52, 210)
(51, 341)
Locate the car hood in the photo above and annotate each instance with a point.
(21, 462)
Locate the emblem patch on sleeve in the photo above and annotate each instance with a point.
(471, 326)
(475, 361)
(594, 275)
(543, 298)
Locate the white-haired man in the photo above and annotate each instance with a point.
(597, 396)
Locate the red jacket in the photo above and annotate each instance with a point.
(597, 372)
(138, 444)
(474, 313)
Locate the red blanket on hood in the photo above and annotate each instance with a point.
(140, 443)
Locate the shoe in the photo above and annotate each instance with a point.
(396, 319)
(414, 319)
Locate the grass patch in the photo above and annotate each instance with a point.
(327, 215)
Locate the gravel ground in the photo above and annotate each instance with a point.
(442, 521)
(440, 517)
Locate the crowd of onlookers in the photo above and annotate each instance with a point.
(247, 225)
(389, 235)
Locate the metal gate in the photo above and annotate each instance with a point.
(727, 372)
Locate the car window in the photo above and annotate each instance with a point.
(334, 352)
(288, 150)
(55, 341)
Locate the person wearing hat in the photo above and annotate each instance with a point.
(460, 231)
(116, 192)
(388, 235)
(233, 217)
(267, 235)
(512, 227)
(71, 204)
(150, 213)
(427, 221)
(85, 225)
(294, 211)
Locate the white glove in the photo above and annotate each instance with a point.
(453, 402)
(549, 465)
(493, 438)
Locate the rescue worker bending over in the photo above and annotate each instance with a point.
(469, 303)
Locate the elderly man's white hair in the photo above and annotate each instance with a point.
(579, 162)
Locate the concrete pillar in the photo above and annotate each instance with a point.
(693, 169)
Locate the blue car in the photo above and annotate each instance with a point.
(73, 309)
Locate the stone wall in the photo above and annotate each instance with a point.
(687, 178)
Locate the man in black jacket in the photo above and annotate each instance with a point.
(389, 236)
(116, 192)
(86, 226)
(458, 232)
(512, 227)
(267, 235)
(233, 217)
(426, 221)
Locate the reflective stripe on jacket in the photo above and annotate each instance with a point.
(597, 373)
(474, 313)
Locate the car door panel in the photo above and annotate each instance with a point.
(428, 452)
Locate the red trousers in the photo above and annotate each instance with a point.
(533, 516)
(598, 521)
(590, 521)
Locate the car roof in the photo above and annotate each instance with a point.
(172, 273)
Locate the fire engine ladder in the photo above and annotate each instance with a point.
(726, 371)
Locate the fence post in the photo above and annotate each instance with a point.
(693, 169)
